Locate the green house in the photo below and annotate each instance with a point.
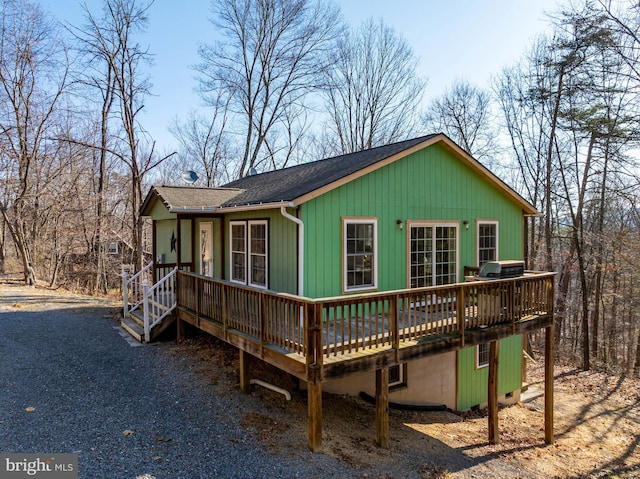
(412, 214)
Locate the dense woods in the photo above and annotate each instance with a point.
(289, 81)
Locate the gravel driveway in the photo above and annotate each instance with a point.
(71, 383)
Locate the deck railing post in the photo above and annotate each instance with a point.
(145, 305)
(225, 307)
(393, 324)
(263, 320)
(512, 306)
(176, 287)
(125, 295)
(460, 309)
(198, 286)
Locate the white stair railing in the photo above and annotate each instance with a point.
(132, 288)
(159, 301)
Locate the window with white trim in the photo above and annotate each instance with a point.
(482, 355)
(249, 245)
(487, 241)
(258, 254)
(398, 376)
(433, 254)
(360, 248)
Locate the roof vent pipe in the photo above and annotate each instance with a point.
(298, 221)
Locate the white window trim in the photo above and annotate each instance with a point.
(480, 365)
(207, 227)
(250, 253)
(232, 251)
(402, 375)
(248, 280)
(433, 224)
(486, 222)
(348, 221)
(114, 248)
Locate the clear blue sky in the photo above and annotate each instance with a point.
(468, 39)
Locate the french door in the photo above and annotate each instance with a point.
(433, 254)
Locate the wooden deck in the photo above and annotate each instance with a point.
(355, 329)
(317, 339)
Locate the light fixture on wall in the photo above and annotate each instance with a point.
(400, 224)
(466, 224)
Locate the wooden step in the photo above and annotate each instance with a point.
(137, 315)
(133, 328)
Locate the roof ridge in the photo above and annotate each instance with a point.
(343, 155)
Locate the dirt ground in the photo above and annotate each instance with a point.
(597, 425)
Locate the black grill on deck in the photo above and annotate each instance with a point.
(501, 269)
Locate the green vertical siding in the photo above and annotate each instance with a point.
(282, 248)
(160, 212)
(431, 184)
(473, 383)
(164, 229)
(185, 239)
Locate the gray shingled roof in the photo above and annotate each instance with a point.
(181, 199)
(294, 183)
(290, 183)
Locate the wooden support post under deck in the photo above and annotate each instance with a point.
(382, 407)
(314, 400)
(549, 339)
(245, 380)
(179, 329)
(494, 433)
(313, 330)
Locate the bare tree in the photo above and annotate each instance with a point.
(524, 118)
(269, 60)
(372, 90)
(463, 113)
(117, 61)
(98, 75)
(33, 77)
(570, 109)
(204, 142)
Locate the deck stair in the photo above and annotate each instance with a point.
(148, 310)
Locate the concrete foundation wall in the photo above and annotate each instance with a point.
(429, 381)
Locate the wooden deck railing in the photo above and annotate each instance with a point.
(349, 324)
(159, 301)
(160, 270)
(133, 288)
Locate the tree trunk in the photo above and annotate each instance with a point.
(547, 187)
(637, 365)
(20, 244)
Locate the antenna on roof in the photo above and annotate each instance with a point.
(189, 176)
